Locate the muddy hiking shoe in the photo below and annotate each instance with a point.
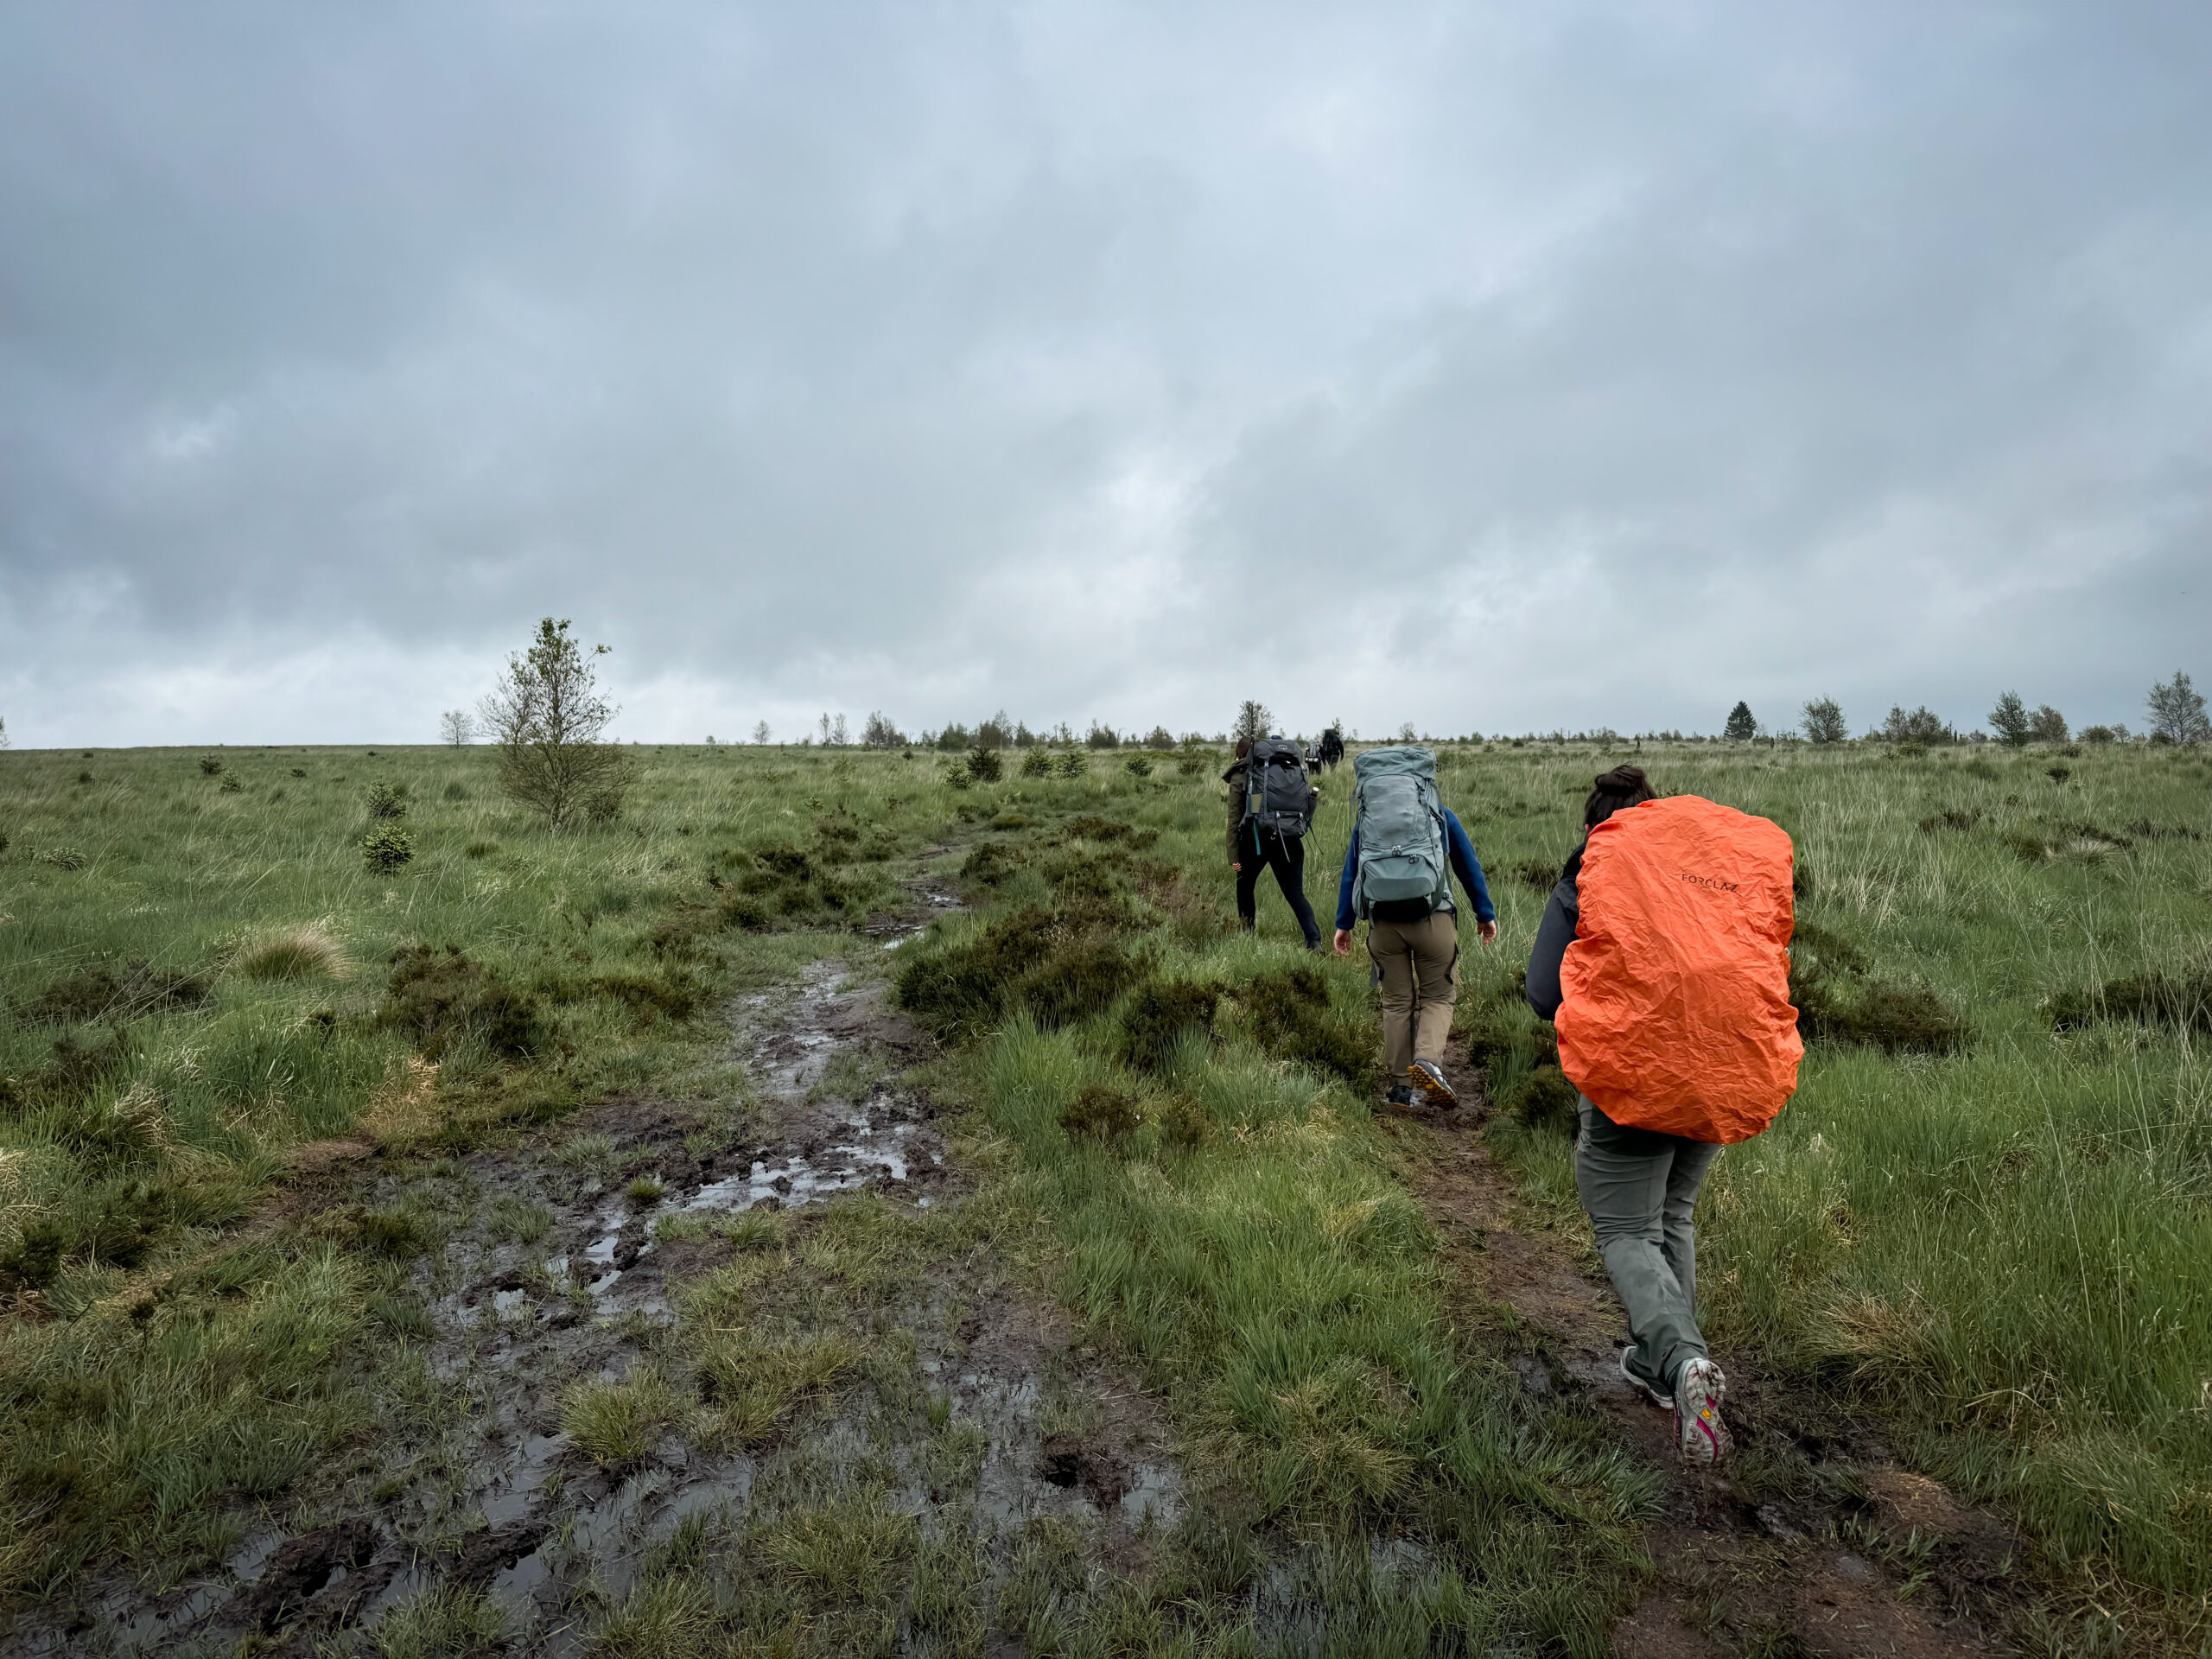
(1699, 1431)
(1641, 1386)
(1428, 1078)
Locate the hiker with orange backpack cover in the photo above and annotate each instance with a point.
(1663, 958)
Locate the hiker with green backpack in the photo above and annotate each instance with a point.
(1406, 847)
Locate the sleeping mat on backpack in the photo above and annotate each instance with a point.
(1675, 1014)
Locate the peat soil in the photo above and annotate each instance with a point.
(559, 1269)
(1812, 1540)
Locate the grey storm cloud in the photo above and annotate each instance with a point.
(1487, 367)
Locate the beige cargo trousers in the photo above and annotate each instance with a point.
(1417, 965)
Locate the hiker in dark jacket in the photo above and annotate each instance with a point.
(1252, 850)
(1640, 1189)
(1417, 966)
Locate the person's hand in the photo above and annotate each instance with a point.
(1237, 867)
(1489, 930)
(1344, 942)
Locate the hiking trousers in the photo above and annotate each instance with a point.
(1271, 849)
(1640, 1187)
(1417, 965)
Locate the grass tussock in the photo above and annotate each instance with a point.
(307, 951)
(118, 994)
(442, 998)
(2181, 1001)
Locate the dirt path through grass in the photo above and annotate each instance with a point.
(1813, 1543)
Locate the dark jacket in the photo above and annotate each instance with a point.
(1240, 834)
(1554, 934)
(1464, 865)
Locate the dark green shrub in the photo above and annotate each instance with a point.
(1138, 765)
(1099, 1114)
(1543, 1098)
(209, 766)
(1894, 1016)
(961, 989)
(387, 848)
(1082, 977)
(1073, 763)
(103, 994)
(984, 766)
(1160, 1015)
(990, 864)
(441, 997)
(385, 800)
(2183, 1000)
(653, 996)
(1037, 763)
(1288, 1014)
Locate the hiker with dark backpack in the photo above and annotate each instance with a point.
(1270, 809)
(1406, 847)
(1663, 959)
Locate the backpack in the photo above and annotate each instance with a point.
(1276, 794)
(1675, 1014)
(1405, 872)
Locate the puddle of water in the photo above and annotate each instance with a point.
(1157, 1493)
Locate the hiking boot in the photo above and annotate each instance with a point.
(1650, 1392)
(1398, 1095)
(1699, 1431)
(1428, 1076)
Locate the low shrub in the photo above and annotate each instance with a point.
(1289, 1014)
(1892, 1015)
(1081, 978)
(440, 998)
(107, 994)
(1157, 1017)
(1538, 875)
(386, 801)
(2182, 1000)
(990, 864)
(1543, 1098)
(1138, 765)
(1095, 1113)
(673, 996)
(209, 766)
(1037, 763)
(387, 848)
(960, 990)
(1073, 763)
(1951, 817)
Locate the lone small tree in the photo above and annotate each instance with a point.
(2011, 721)
(2047, 724)
(455, 728)
(1743, 725)
(1253, 722)
(2177, 712)
(1823, 719)
(546, 716)
(761, 733)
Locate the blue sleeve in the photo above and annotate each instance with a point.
(1344, 918)
(1469, 869)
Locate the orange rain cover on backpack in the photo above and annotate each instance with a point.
(1675, 1014)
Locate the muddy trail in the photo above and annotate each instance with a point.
(923, 1392)
(1812, 1540)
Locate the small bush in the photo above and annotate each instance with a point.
(1098, 1114)
(1138, 765)
(1289, 1014)
(990, 864)
(1544, 1099)
(307, 951)
(961, 989)
(387, 848)
(209, 766)
(441, 997)
(104, 994)
(1037, 763)
(65, 858)
(1080, 979)
(2182, 1000)
(1073, 763)
(386, 801)
(1896, 1017)
(673, 996)
(1159, 1016)
(984, 766)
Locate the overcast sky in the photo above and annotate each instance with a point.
(1487, 367)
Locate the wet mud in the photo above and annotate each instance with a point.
(570, 1266)
(1813, 1541)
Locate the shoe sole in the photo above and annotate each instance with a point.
(1704, 1438)
(1439, 1091)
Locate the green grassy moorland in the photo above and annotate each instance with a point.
(1984, 1217)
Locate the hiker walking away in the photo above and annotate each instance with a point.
(1663, 958)
(1270, 808)
(1406, 847)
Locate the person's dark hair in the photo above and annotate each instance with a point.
(1243, 747)
(1624, 786)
